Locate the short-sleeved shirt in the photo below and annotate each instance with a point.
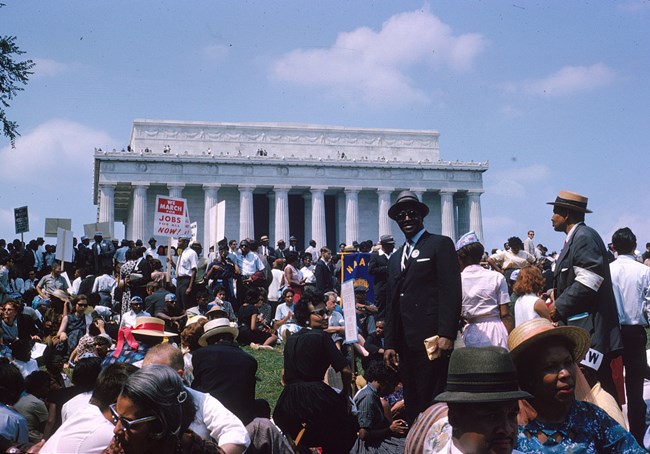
(13, 425)
(507, 260)
(35, 412)
(189, 260)
(308, 354)
(249, 264)
(483, 292)
(49, 283)
(371, 413)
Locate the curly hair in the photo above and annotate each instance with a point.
(515, 242)
(191, 335)
(383, 374)
(530, 280)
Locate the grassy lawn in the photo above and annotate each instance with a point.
(269, 372)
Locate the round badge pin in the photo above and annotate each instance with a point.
(415, 254)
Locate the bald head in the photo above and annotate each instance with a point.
(165, 355)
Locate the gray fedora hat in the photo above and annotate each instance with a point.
(481, 375)
(406, 199)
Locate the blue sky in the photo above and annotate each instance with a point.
(553, 94)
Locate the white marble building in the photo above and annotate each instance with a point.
(333, 184)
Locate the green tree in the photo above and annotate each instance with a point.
(12, 74)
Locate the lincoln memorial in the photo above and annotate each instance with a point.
(328, 183)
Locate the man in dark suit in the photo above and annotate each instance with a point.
(583, 294)
(378, 269)
(423, 300)
(103, 252)
(224, 370)
(323, 272)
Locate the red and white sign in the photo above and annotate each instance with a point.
(171, 217)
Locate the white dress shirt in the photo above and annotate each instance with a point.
(631, 284)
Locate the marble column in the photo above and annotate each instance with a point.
(475, 217)
(318, 231)
(383, 196)
(447, 209)
(175, 189)
(351, 215)
(419, 193)
(210, 193)
(107, 204)
(246, 219)
(139, 223)
(281, 213)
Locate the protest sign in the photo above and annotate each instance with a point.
(171, 217)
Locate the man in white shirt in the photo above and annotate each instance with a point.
(186, 269)
(89, 429)
(212, 418)
(631, 284)
(151, 250)
(128, 319)
(249, 263)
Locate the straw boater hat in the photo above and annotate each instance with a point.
(533, 331)
(405, 199)
(151, 326)
(217, 326)
(481, 375)
(571, 201)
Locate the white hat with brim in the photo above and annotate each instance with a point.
(217, 326)
(537, 330)
(151, 326)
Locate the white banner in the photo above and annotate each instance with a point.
(63, 245)
(349, 311)
(217, 224)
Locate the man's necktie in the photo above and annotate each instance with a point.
(406, 253)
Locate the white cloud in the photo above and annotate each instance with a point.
(515, 183)
(215, 51)
(47, 68)
(50, 171)
(568, 80)
(376, 65)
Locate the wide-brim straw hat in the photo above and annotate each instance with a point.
(571, 201)
(534, 331)
(406, 199)
(481, 375)
(151, 326)
(217, 326)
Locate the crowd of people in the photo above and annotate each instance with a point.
(459, 350)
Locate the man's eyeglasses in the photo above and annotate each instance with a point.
(410, 213)
(126, 423)
(320, 312)
(82, 305)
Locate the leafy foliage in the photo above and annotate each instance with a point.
(13, 73)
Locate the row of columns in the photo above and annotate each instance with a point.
(281, 192)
